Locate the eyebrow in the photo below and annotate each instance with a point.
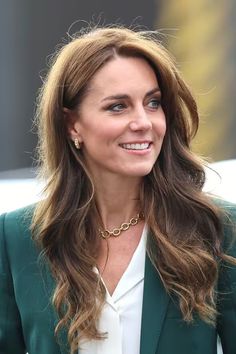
(125, 96)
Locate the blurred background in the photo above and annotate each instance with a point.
(200, 34)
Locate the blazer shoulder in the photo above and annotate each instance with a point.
(20, 216)
(225, 205)
(17, 221)
(229, 229)
(228, 221)
(15, 235)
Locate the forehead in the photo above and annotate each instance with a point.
(123, 74)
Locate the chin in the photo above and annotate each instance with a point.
(141, 172)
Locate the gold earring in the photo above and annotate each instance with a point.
(77, 144)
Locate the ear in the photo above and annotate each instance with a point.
(72, 124)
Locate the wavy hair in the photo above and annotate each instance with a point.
(185, 227)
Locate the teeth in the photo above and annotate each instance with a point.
(142, 146)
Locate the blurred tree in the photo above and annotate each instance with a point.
(200, 34)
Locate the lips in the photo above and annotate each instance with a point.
(135, 146)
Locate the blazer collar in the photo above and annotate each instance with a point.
(155, 302)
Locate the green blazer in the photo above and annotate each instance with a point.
(27, 318)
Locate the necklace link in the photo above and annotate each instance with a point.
(116, 232)
(134, 221)
(105, 234)
(124, 226)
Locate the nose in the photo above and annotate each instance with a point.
(140, 121)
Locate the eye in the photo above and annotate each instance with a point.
(116, 107)
(154, 103)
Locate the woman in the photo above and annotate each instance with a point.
(115, 124)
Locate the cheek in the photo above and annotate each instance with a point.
(108, 132)
(99, 135)
(164, 128)
(160, 126)
(90, 132)
(163, 123)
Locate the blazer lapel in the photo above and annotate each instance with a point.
(61, 342)
(64, 346)
(155, 301)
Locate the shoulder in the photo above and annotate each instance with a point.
(17, 217)
(15, 223)
(228, 220)
(227, 265)
(16, 243)
(226, 206)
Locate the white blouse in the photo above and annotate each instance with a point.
(122, 312)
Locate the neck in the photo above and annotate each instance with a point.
(117, 200)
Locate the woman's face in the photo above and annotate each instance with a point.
(120, 122)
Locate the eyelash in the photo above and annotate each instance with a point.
(157, 101)
(112, 108)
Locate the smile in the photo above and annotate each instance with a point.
(137, 146)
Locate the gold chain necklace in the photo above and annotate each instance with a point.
(123, 227)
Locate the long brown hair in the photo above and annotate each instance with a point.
(185, 227)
